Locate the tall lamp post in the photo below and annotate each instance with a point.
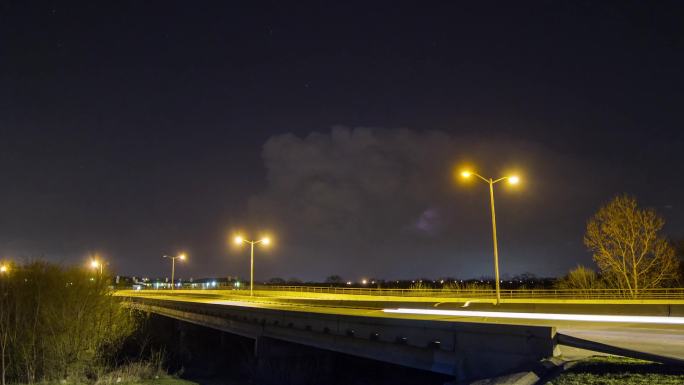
(265, 241)
(512, 179)
(173, 267)
(97, 264)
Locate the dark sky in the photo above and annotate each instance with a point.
(138, 128)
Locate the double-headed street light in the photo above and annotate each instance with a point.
(264, 241)
(182, 257)
(512, 179)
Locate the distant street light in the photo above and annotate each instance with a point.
(173, 266)
(265, 241)
(512, 179)
(97, 264)
(4, 269)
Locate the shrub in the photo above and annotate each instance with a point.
(58, 323)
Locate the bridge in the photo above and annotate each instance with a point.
(458, 335)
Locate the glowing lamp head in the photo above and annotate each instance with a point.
(3, 268)
(265, 241)
(94, 264)
(466, 174)
(182, 256)
(514, 179)
(238, 239)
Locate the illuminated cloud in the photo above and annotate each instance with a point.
(358, 183)
(428, 222)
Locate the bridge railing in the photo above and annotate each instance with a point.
(663, 293)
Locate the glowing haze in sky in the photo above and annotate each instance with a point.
(138, 129)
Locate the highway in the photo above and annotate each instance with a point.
(663, 336)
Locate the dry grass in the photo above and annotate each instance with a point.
(619, 371)
(132, 373)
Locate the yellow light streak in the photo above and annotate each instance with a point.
(545, 316)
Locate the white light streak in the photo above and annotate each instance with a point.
(545, 316)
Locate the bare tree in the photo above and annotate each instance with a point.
(627, 246)
(679, 252)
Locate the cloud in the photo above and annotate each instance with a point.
(358, 183)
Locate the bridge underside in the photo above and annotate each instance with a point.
(461, 349)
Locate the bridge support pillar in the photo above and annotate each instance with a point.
(181, 337)
(259, 346)
(265, 348)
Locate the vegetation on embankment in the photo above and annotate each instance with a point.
(164, 381)
(167, 380)
(62, 324)
(619, 371)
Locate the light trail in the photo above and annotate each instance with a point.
(545, 316)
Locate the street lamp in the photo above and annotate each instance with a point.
(265, 241)
(4, 269)
(173, 266)
(95, 264)
(512, 179)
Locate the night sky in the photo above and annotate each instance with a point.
(140, 128)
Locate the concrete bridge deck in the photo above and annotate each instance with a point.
(456, 343)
